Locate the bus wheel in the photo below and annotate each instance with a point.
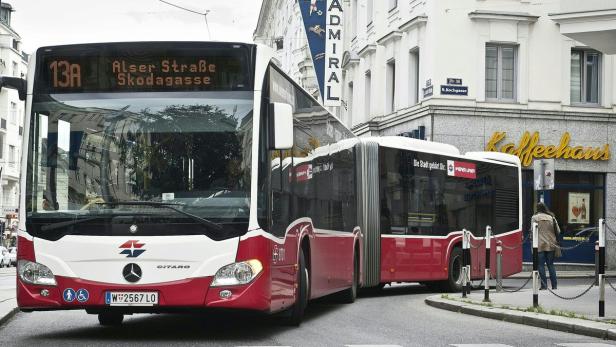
(348, 296)
(110, 319)
(454, 279)
(296, 313)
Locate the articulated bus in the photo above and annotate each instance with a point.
(422, 195)
(170, 176)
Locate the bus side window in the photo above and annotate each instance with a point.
(280, 193)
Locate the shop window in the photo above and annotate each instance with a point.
(500, 72)
(578, 200)
(585, 70)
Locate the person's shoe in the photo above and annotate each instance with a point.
(543, 288)
(554, 288)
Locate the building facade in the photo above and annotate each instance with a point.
(280, 27)
(13, 62)
(531, 78)
(528, 77)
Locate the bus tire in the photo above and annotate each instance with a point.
(454, 275)
(349, 295)
(295, 315)
(110, 319)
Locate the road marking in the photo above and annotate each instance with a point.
(372, 346)
(584, 345)
(481, 345)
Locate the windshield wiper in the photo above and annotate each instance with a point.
(167, 205)
(59, 225)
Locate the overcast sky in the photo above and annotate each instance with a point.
(50, 22)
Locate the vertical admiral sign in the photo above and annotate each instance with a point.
(323, 23)
(333, 54)
(461, 169)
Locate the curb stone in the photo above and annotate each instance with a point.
(541, 320)
(7, 310)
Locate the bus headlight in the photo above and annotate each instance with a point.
(237, 273)
(35, 273)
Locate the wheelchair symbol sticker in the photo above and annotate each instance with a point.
(82, 295)
(68, 295)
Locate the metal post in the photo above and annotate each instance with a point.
(601, 267)
(535, 264)
(464, 260)
(499, 266)
(596, 263)
(468, 262)
(486, 279)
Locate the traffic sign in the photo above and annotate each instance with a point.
(544, 174)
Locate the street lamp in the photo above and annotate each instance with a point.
(204, 14)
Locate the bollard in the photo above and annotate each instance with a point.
(601, 267)
(486, 279)
(499, 266)
(464, 260)
(596, 263)
(468, 262)
(535, 264)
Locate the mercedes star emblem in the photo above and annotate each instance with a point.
(132, 273)
(133, 229)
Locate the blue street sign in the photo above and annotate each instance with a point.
(314, 13)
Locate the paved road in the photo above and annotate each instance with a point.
(398, 317)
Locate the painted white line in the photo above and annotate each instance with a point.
(584, 345)
(372, 346)
(481, 345)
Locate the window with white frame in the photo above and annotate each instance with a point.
(368, 95)
(391, 87)
(414, 77)
(350, 104)
(12, 156)
(393, 4)
(13, 113)
(585, 72)
(15, 69)
(369, 11)
(500, 72)
(354, 17)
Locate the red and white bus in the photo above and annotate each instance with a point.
(164, 176)
(156, 178)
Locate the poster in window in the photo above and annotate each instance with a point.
(579, 208)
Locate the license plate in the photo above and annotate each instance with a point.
(131, 298)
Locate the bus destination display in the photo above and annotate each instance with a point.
(139, 73)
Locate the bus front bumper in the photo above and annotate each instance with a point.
(192, 293)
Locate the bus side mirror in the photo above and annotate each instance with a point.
(281, 126)
(16, 83)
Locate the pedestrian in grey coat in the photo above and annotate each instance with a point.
(548, 243)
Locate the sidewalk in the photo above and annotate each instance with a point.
(567, 274)
(578, 315)
(8, 304)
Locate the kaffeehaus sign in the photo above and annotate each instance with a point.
(529, 148)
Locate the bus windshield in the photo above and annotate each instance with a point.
(88, 152)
